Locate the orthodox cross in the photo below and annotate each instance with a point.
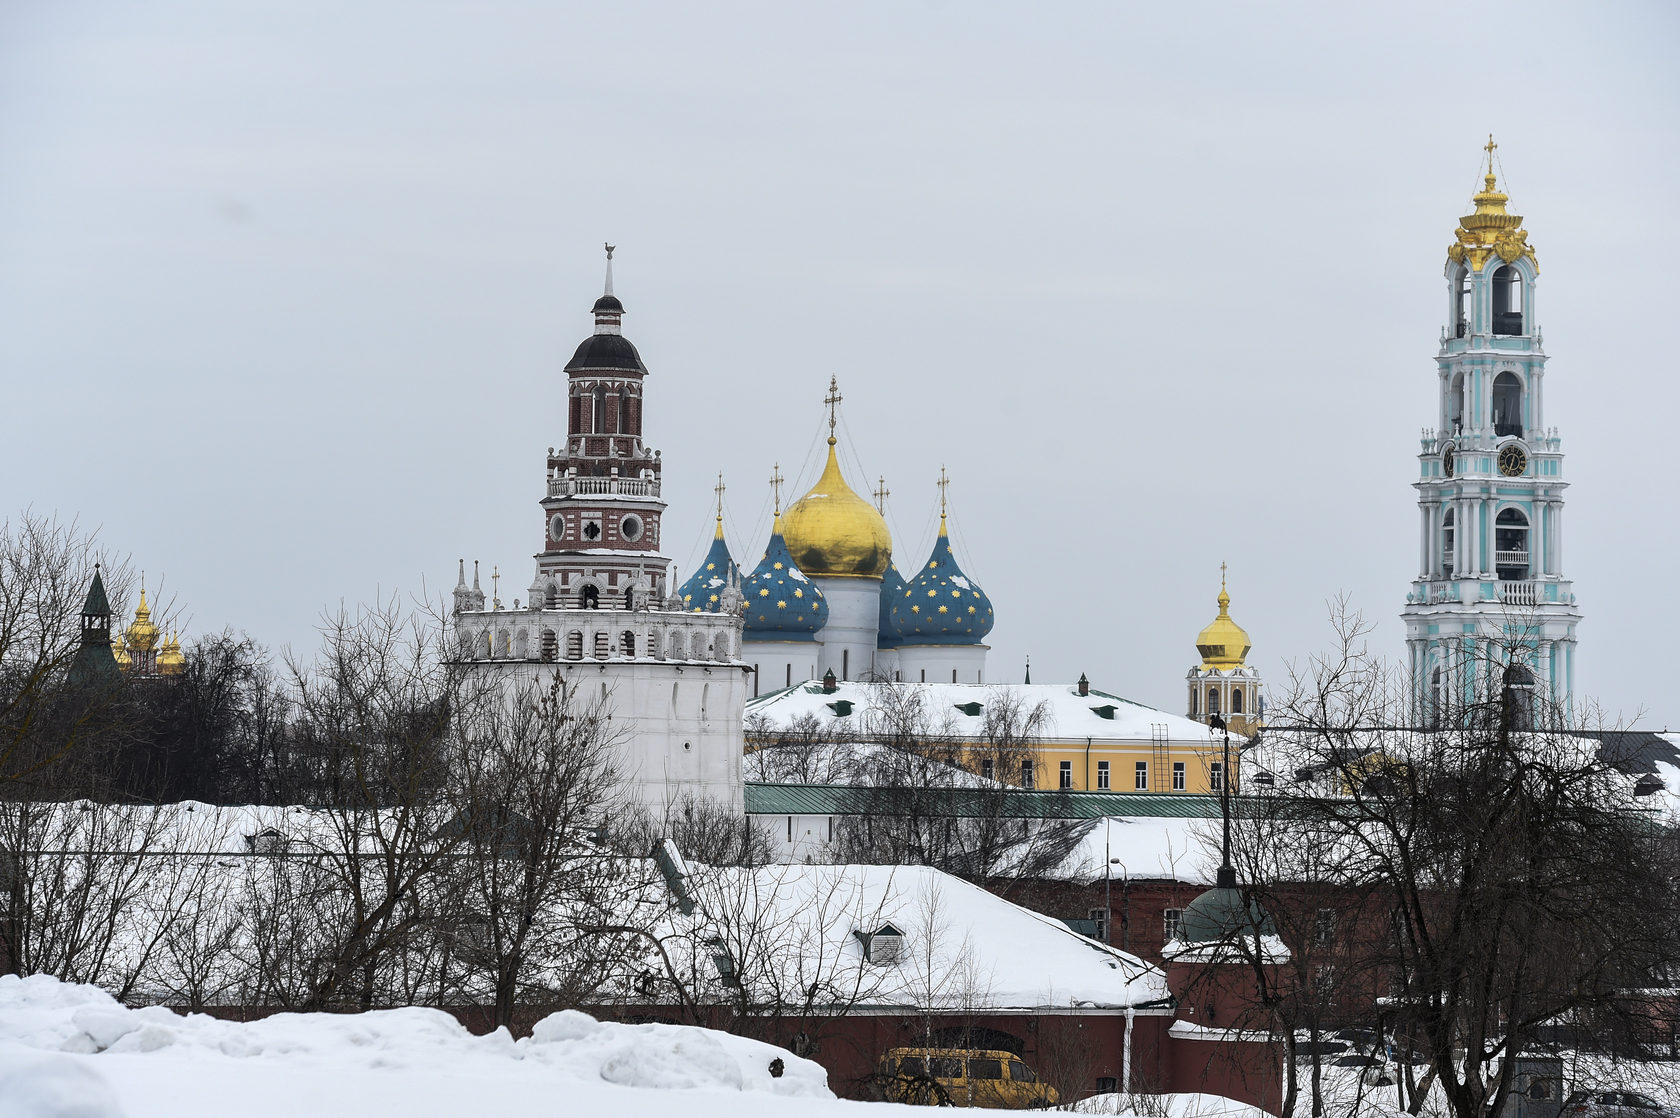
(881, 496)
(1222, 576)
(496, 587)
(776, 485)
(718, 489)
(832, 400)
(1490, 147)
(944, 484)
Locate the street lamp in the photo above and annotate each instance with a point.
(1109, 862)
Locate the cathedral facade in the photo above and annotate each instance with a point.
(598, 612)
(1491, 610)
(826, 598)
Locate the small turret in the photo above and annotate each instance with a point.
(94, 663)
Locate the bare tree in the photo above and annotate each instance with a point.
(1519, 882)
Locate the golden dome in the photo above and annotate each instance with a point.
(170, 661)
(1223, 644)
(1491, 229)
(120, 652)
(141, 634)
(832, 532)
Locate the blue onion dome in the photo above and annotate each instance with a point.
(940, 605)
(704, 588)
(892, 589)
(782, 604)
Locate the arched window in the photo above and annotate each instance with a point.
(603, 644)
(1510, 543)
(1236, 700)
(574, 645)
(1507, 405)
(1507, 301)
(629, 597)
(698, 647)
(1447, 544)
(627, 644)
(1195, 702)
(1519, 697)
(550, 645)
(654, 652)
(1455, 405)
(1437, 699)
(1463, 290)
(553, 594)
(600, 424)
(1213, 700)
(589, 596)
(676, 646)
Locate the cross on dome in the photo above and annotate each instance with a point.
(718, 489)
(881, 496)
(776, 486)
(944, 484)
(832, 400)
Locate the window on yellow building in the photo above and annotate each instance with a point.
(1102, 775)
(1141, 780)
(1064, 775)
(1026, 774)
(1216, 776)
(986, 768)
(1178, 776)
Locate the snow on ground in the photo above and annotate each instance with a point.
(69, 1051)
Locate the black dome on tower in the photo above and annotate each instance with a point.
(608, 303)
(606, 351)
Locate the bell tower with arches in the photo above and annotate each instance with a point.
(1491, 607)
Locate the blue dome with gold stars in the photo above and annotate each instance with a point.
(892, 589)
(782, 604)
(940, 605)
(703, 591)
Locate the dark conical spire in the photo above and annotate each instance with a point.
(94, 662)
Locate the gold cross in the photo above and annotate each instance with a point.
(1222, 576)
(832, 399)
(718, 489)
(1490, 147)
(944, 483)
(495, 587)
(776, 485)
(881, 496)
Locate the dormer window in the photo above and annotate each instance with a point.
(882, 946)
(266, 841)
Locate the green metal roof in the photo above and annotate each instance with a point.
(829, 799)
(97, 605)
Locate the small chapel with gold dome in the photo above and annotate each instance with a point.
(828, 597)
(142, 651)
(1224, 685)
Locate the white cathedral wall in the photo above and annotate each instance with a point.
(938, 663)
(848, 638)
(778, 664)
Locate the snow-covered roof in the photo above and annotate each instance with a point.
(1149, 849)
(962, 949)
(1069, 716)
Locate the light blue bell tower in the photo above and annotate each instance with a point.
(1491, 611)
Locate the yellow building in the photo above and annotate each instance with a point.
(1045, 736)
(1223, 684)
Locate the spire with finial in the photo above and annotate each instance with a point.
(495, 587)
(944, 484)
(718, 489)
(1224, 643)
(1028, 680)
(881, 496)
(776, 493)
(1492, 229)
(609, 312)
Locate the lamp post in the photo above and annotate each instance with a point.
(1109, 862)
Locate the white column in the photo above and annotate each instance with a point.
(1424, 520)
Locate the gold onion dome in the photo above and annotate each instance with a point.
(1224, 643)
(834, 533)
(170, 661)
(1491, 230)
(141, 635)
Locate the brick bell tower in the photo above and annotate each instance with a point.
(602, 507)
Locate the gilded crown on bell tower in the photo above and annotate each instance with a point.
(1491, 230)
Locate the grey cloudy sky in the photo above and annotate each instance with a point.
(286, 289)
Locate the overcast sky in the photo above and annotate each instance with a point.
(286, 290)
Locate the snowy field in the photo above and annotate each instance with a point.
(71, 1051)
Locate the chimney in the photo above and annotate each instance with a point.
(1084, 684)
(829, 685)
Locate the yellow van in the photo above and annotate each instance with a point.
(963, 1077)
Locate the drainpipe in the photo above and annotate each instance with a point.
(1087, 764)
(1126, 1056)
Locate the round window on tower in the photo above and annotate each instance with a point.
(630, 528)
(557, 527)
